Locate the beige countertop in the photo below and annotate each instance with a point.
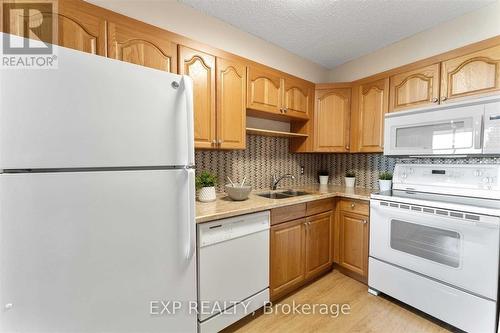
(225, 207)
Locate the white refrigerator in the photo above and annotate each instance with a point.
(97, 220)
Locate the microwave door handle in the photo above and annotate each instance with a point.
(478, 134)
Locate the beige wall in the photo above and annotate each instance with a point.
(184, 20)
(469, 28)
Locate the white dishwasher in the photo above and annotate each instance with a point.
(233, 269)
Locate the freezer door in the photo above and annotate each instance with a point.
(97, 252)
(94, 112)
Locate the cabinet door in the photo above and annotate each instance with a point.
(416, 88)
(318, 243)
(231, 105)
(80, 26)
(141, 44)
(297, 96)
(264, 90)
(201, 68)
(353, 238)
(477, 73)
(332, 120)
(287, 256)
(368, 127)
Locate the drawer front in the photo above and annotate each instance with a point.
(287, 213)
(319, 206)
(355, 206)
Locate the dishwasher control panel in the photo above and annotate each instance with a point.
(222, 230)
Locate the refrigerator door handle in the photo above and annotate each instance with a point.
(188, 91)
(191, 221)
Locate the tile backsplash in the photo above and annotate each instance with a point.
(266, 156)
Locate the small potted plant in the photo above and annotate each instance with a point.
(350, 179)
(323, 177)
(205, 184)
(385, 181)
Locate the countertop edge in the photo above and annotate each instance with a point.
(275, 204)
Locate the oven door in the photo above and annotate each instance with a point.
(452, 247)
(437, 132)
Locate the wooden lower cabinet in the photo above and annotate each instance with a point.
(287, 256)
(353, 243)
(318, 242)
(300, 249)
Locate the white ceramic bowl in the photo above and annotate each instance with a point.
(238, 193)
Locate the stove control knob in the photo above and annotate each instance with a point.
(486, 180)
(478, 173)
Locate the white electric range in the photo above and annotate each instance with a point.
(435, 242)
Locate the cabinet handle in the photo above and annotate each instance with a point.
(353, 205)
(443, 98)
(435, 100)
(281, 110)
(286, 110)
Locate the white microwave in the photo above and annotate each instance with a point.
(469, 128)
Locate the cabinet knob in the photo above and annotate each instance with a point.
(214, 142)
(347, 147)
(286, 110)
(443, 98)
(365, 221)
(281, 110)
(353, 205)
(220, 142)
(435, 100)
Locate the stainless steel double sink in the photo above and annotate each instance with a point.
(282, 194)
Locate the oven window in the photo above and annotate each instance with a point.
(446, 135)
(442, 246)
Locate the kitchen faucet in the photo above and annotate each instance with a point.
(277, 180)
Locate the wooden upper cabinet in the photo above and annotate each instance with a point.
(353, 238)
(413, 89)
(141, 44)
(287, 256)
(200, 67)
(80, 26)
(318, 243)
(372, 103)
(297, 97)
(264, 91)
(332, 120)
(231, 104)
(477, 73)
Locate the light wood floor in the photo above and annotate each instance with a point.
(368, 313)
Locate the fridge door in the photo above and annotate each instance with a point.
(94, 112)
(97, 252)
